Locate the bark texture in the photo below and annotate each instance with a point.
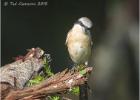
(14, 76)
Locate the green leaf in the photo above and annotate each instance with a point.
(47, 68)
(54, 97)
(82, 72)
(36, 80)
(75, 90)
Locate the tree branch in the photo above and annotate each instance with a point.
(59, 82)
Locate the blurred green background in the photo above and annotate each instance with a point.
(115, 35)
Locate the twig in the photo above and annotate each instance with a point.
(19, 72)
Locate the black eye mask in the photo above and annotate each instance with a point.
(80, 23)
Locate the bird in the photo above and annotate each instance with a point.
(79, 44)
(79, 41)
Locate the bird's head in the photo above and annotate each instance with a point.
(85, 22)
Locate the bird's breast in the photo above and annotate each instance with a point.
(79, 52)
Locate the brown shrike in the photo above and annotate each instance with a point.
(79, 41)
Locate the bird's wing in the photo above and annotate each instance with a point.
(68, 36)
(88, 32)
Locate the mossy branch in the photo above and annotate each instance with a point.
(53, 83)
